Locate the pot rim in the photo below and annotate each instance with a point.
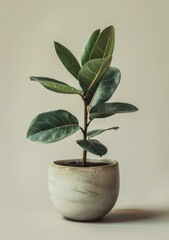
(111, 162)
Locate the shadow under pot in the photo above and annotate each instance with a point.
(83, 193)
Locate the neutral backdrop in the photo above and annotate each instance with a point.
(27, 32)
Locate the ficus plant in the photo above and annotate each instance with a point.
(98, 81)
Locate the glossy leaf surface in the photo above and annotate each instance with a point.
(68, 59)
(104, 45)
(96, 132)
(93, 146)
(88, 47)
(55, 85)
(107, 86)
(52, 126)
(91, 74)
(107, 109)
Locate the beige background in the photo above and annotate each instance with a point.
(28, 29)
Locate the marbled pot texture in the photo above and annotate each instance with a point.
(84, 193)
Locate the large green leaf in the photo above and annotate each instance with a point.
(52, 126)
(55, 85)
(104, 45)
(68, 59)
(96, 132)
(93, 146)
(107, 109)
(88, 47)
(91, 74)
(107, 86)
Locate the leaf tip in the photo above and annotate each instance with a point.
(111, 27)
(32, 78)
(27, 135)
(136, 109)
(56, 45)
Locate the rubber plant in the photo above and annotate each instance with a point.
(98, 81)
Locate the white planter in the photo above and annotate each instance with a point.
(84, 193)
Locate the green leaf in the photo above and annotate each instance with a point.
(93, 146)
(68, 59)
(55, 85)
(91, 74)
(96, 132)
(88, 47)
(104, 45)
(107, 86)
(52, 126)
(107, 109)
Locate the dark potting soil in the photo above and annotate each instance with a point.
(79, 164)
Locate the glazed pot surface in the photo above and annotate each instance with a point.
(83, 193)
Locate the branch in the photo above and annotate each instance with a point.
(89, 123)
(82, 130)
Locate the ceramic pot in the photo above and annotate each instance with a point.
(83, 193)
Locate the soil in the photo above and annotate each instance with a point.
(79, 164)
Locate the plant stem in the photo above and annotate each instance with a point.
(85, 132)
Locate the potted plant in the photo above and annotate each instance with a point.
(83, 189)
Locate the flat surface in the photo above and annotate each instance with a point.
(130, 224)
